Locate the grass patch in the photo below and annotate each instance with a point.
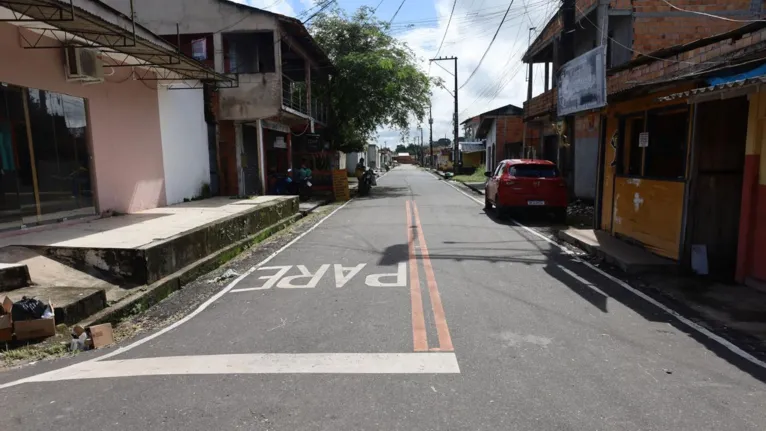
(34, 352)
(476, 177)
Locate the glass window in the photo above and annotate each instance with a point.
(59, 139)
(666, 153)
(635, 153)
(534, 171)
(499, 170)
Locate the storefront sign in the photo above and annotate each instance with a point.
(273, 125)
(643, 140)
(583, 83)
(199, 49)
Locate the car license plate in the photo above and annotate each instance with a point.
(535, 203)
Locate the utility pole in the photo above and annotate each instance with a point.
(567, 51)
(456, 151)
(431, 135)
(422, 148)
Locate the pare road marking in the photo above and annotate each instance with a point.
(306, 279)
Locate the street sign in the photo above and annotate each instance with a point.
(643, 140)
(583, 83)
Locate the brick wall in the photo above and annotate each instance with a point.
(658, 26)
(586, 125)
(510, 130)
(541, 104)
(554, 26)
(684, 62)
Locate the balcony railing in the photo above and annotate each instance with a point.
(294, 97)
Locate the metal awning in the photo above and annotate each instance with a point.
(472, 147)
(91, 23)
(723, 90)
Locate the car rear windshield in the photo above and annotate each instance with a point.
(534, 171)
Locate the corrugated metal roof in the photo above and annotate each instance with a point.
(715, 88)
(472, 147)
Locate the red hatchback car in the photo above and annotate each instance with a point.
(526, 184)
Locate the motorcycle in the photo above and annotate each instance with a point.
(366, 182)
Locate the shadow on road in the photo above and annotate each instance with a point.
(381, 192)
(589, 285)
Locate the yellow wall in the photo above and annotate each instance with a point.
(472, 160)
(650, 212)
(657, 220)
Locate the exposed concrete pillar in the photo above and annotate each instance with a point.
(239, 149)
(289, 151)
(218, 52)
(529, 82)
(261, 157)
(308, 88)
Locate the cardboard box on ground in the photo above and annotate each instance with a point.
(24, 329)
(6, 323)
(92, 337)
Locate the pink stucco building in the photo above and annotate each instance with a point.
(115, 123)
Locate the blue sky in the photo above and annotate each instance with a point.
(423, 24)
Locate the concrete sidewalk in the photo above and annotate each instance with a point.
(84, 267)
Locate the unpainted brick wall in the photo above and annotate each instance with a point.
(676, 64)
(554, 26)
(510, 130)
(545, 102)
(657, 25)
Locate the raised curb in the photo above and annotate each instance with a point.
(150, 295)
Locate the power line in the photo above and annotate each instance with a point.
(489, 46)
(397, 11)
(710, 15)
(321, 9)
(641, 53)
(445, 69)
(378, 6)
(449, 21)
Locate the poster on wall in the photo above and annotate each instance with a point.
(583, 83)
(279, 142)
(199, 49)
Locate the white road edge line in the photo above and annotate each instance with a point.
(189, 316)
(702, 330)
(262, 363)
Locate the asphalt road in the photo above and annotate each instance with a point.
(411, 309)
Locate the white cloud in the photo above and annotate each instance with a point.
(470, 32)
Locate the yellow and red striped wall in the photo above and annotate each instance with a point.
(751, 253)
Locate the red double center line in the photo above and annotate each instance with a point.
(420, 341)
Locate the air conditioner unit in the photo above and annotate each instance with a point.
(83, 64)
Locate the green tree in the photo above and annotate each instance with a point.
(376, 81)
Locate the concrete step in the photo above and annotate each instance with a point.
(146, 264)
(629, 258)
(13, 276)
(70, 304)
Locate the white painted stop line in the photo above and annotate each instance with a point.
(260, 363)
